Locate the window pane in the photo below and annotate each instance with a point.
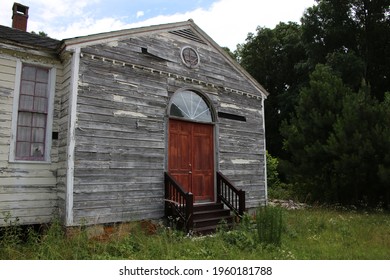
(26, 103)
(22, 149)
(24, 118)
(41, 89)
(38, 135)
(175, 111)
(28, 73)
(42, 75)
(190, 105)
(40, 104)
(27, 87)
(24, 133)
(32, 113)
(39, 120)
(37, 150)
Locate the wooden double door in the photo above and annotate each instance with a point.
(191, 157)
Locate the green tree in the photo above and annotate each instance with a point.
(360, 27)
(271, 56)
(40, 33)
(318, 108)
(353, 148)
(337, 139)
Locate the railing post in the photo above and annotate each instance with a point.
(166, 203)
(241, 207)
(189, 211)
(219, 182)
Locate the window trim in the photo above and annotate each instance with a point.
(15, 111)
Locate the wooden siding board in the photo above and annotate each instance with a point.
(27, 190)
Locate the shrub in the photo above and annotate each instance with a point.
(276, 188)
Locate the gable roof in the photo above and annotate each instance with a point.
(27, 39)
(186, 29)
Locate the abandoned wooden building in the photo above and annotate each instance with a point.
(126, 125)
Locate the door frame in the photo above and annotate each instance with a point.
(213, 123)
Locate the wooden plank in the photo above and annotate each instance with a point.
(27, 204)
(42, 217)
(82, 218)
(7, 61)
(21, 181)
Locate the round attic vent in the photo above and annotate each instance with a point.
(190, 57)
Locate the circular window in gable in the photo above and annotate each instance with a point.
(190, 57)
(191, 106)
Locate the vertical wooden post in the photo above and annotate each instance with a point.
(189, 211)
(167, 195)
(241, 207)
(218, 188)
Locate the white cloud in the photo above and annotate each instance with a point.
(227, 21)
(140, 14)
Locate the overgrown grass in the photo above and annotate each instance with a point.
(306, 234)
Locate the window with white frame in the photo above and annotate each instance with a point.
(32, 128)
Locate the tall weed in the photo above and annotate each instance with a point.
(269, 222)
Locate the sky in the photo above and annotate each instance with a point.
(228, 22)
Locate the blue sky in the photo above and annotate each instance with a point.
(144, 9)
(227, 21)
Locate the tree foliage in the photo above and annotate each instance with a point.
(337, 139)
(271, 56)
(361, 27)
(327, 114)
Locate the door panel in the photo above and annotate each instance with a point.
(179, 155)
(203, 162)
(191, 157)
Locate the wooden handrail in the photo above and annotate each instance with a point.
(230, 195)
(178, 202)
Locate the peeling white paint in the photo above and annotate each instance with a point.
(128, 113)
(244, 161)
(118, 98)
(254, 110)
(226, 105)
(82, 84)
(112, 44)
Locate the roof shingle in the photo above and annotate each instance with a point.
(29, 39)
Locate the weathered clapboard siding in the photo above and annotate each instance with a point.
(8, 68)
(27, 190)
(120, 135)
(241, 145)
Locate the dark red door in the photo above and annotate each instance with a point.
(191, 157)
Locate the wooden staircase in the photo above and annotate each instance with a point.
(207, 217)
(203, 218)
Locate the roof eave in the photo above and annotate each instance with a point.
(108, 36)
(15, 47)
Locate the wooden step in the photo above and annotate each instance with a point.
(207, 217)
(207, 206)
(211, 214)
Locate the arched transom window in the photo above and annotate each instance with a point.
(191, 106)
